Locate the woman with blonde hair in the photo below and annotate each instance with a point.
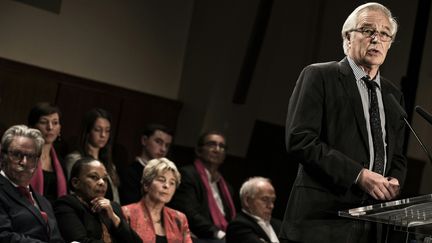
(150, 218)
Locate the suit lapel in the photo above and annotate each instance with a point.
(348, 81)
(258, 228)
(13, 193)
(391, 116)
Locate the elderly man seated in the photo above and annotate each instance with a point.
(254, 224)
(25, 215)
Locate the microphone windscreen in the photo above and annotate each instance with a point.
(424, 114)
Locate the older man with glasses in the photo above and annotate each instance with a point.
(25, 215)
(344, 129)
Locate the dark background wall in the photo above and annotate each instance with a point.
(196, 65)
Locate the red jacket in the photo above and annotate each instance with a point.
(175, 223)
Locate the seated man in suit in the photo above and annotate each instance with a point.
(203, 194)
(254, 224)
(25, 215)
(155, 140)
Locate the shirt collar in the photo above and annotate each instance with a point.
(257, 218)
(359, 73)
(7, 178)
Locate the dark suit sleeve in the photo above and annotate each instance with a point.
(71, 223)
(131, 184)
(240, 232)
(7, 233)
(190, 199)
(320, 124)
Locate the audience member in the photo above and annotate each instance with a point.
(25, 215)
(86, 215)
(150, 218)
(49, 179)
(95, 141)
(203, 195)
(254, 224)
(155, 142)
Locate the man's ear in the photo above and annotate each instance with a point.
(144, 140)
(74, 182)
(198, 151)
(246, 202)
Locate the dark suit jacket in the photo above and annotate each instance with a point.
(20, 221)
(191, 199)
(131, 183)
(78, 223)
(244, 229)
(326, 134)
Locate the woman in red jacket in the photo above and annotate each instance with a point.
(150, 218)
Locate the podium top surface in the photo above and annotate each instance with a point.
(407, 213)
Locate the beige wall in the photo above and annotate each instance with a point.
(193, 51)
(134, 44)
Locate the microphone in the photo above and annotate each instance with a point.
(424, 114)
(404, 115)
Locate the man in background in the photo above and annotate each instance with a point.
(155, 140)
(254, 224)
(204, 195)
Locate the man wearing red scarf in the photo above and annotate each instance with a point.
(203, 195)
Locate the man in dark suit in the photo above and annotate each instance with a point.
(254, 224)
(25, 215)
(330, 133)
(204, 195)
(155, 141)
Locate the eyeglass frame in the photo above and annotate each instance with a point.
(17, 156)
(213, 144)
(370, 32)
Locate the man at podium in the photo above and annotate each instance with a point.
(346, 134)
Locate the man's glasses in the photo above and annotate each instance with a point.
(372, 33)
(214, 145)
(17, 156)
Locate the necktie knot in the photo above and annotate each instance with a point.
(370, 84)
(26, 193)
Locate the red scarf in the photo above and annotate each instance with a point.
(217, 216)
(37, 181)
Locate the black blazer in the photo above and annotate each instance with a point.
(78, 223)
(191, 199)
(20, 221)
(131, 183)
(244, 229)
(326, 134)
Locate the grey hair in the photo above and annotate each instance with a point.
(249, 188)
(157, 166)
(22, 131)
(351, 21)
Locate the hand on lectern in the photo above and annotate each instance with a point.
(378, 186)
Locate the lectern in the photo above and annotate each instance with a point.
(410, 215)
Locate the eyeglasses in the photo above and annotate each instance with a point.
(214, 145)
(372, 33)
(17, 156)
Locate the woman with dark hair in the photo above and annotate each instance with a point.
(95, 141)
(86, 215)
(49, 179)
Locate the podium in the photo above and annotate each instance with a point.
(410, 215)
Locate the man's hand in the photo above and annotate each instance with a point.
(378, 186)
